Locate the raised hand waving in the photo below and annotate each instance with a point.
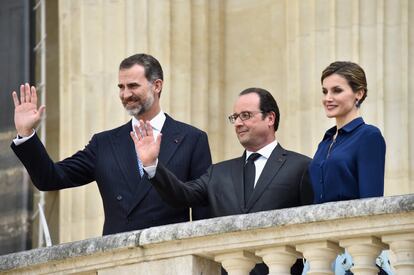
(26, 114)
(147, 148)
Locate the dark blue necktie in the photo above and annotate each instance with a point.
(249, 176)
(140, 167)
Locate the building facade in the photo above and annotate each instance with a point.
(211, 50)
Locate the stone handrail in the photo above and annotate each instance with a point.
(277, 238)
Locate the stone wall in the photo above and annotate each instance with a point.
(210, 51)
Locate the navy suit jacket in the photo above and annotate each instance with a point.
(130, 203)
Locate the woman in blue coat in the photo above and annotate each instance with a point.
(350, 160)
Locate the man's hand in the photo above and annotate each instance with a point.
(26, 114)
(147, 148)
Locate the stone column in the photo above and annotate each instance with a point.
(364, 251)
(402, 252)
(237, 263)
(279, 259)
(320, 256)
(208, 56)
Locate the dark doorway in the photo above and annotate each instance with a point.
(15, 68)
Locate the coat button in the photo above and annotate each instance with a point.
(119, 197)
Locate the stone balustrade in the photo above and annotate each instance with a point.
(317, 232)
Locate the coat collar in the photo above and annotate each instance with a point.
(272, 167)
(172, 137)
(124, 151)
(351, 126)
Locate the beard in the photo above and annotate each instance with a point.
(141, 106)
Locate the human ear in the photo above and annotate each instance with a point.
(157, 84)
(272, 118)
(359, 94)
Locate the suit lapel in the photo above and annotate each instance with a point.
(171, 139)
(238, 181)
(272, 167)
(124, 152)
(126, 156)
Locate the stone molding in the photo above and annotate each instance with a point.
(332, 222)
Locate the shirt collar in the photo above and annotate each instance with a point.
(346, 128)
(265, 151)
(156, 122)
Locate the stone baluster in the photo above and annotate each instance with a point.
(279, 259)
(402, 252)
(237, 263)
(320, 256)
(364, 251)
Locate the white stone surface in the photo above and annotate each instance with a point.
(210, 51)
(314, 230)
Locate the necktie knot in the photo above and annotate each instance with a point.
(253, 157)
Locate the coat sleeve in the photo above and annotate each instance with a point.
(178, 193)
(47, 175)
(200, 162)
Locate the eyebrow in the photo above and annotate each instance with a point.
(234, 113)
(334, 87)
(131, 84)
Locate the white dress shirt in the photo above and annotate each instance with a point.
(260, 163)
(156, 122)
(19, 140)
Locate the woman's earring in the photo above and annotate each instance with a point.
(357, 104)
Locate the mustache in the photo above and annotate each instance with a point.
(131, 99)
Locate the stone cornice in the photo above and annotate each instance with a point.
(219, 228)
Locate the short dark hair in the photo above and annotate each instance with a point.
(352, 72)
(153, 70)
(267, 103)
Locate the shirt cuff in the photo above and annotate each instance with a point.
(150, 170)
(20, 140)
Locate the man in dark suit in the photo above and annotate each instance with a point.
(130, 202)
(280, 179)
